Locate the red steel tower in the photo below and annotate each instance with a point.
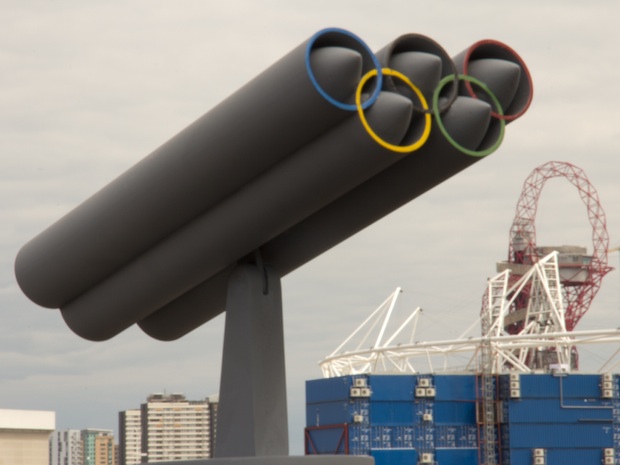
(580, 274)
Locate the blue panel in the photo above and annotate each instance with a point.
(581, 386)
(455, 387)
(455, 413)
(392, 387)
(396, 437)
(422, 407)
(552, 411)
(359, 440)
(326, 441)
(539, 386)
(393, 413)
(403, 437)
(328, 413)
(566, 456)
(456, 456)
(559, 456)
(328, 389)
(567, 386)
(424, 437)
(550, 414)
(558, 436)
(456, 436)
(381, 437)
(395, 457)
(520, 457)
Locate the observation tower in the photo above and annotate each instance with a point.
(580, 273)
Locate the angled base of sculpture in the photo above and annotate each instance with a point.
(252, 423)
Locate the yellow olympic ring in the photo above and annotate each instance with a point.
(427, 117)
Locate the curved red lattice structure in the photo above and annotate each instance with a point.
(577, 295)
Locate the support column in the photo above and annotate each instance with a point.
(252, 414)
(252, 424)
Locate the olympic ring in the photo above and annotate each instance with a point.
(360, 109)
(365, 48)
(506, 53)
(442, 128)
(454, 92)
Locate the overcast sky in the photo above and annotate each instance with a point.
(87, 89)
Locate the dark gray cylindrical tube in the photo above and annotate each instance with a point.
(189, 311)
(495, 63)
(416, 56)
(291, 103)
(423, 61)
(436, 162)
(290, 191)
(386, 192)
(318, 233)
(432, 164)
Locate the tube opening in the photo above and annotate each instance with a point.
(335, 37)
(488, 48)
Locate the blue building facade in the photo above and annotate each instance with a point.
(541, 419)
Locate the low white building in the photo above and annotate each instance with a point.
(24, 436)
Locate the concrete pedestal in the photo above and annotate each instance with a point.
(252, 414)
(283, 460)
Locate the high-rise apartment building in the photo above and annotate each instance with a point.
(214, 402)
(66, 448)
(130, 437)
(171, 428)
(98, 447)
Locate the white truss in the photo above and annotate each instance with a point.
(543, 336)
(543, 315)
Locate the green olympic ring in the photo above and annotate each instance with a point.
(442, 128)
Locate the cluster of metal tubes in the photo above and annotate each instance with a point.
(323, 143)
